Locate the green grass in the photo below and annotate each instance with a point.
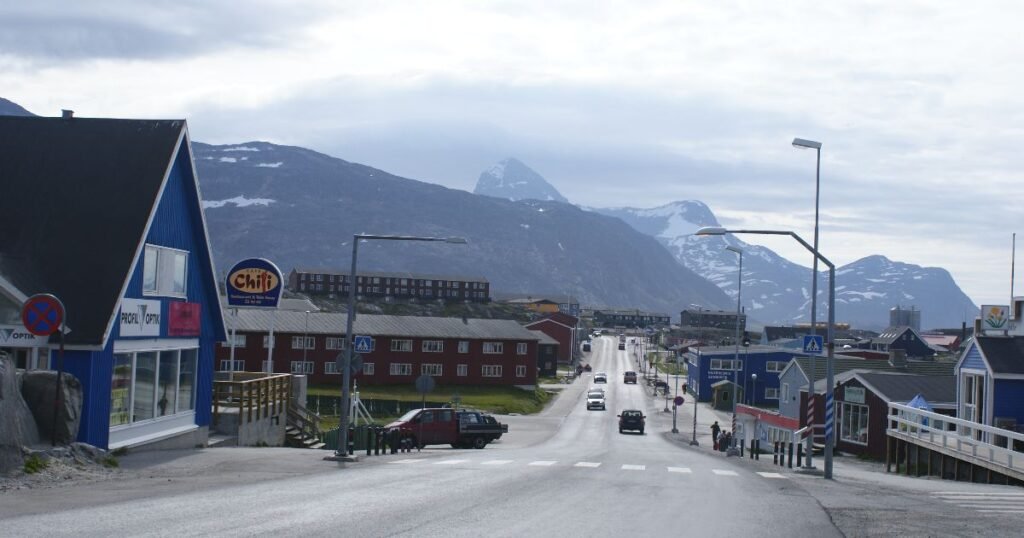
(35, 463)
(502, 400)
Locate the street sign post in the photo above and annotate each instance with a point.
(424, 384)
(679, 401)
(43, 314)
(363, 344)
(814, 343)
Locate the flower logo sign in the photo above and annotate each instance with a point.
(994, 317)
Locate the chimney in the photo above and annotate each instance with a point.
(898, 358)
(67, 114)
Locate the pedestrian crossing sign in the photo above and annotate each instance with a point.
(363, 344)
(813, 343)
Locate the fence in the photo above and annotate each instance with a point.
(255, 395)
(330, 406)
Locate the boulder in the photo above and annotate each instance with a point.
(38, 388)
(17, 425)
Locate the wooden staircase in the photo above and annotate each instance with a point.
(303, 427)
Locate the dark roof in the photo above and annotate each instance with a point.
(388, 274)
(544, 338)
(77, 196)
(558, 317)
(772, 334)
(892, 334)
(1005, 355)
(843, 364)
(901, 388)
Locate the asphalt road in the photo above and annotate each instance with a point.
(565, 473)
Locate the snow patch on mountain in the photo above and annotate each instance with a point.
(239, 201)
(270, 165)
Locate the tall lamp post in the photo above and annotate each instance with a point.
(696, 386)
(829, 381)
(341, 452)
(753, 391)
(800, 143)
(305, 342)
(739, 294)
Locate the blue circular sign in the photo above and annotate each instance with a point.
(42, 314)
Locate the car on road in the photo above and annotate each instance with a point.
(631, 419)
(622, 345)
(629, 377)
(586, 345)
(600, 377)
(595, 400)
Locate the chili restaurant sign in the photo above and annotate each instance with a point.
(254, 282)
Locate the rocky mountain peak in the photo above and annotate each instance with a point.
(513, 180)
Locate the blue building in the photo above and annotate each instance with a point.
(990, 382)
(714, 374)
(106, 215)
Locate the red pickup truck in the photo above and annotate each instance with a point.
(445, 426)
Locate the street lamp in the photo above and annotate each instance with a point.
(305, 342)
(829, 416)
(341, 452)
(753, 392)
(696, 386)
(739, 294)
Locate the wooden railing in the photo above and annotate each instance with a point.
(998, 447)
(256, 395)
(305, 420)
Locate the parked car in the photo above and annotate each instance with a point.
(444, 426)
(600, 377)
(629, 377)
(631, 419)
(595, 400)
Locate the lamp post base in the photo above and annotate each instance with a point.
(342, 458)
(694, 442)
(732, 451)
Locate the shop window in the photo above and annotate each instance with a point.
(853, 423)
(148, 385)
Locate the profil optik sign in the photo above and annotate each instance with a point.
(140, 317)
(255, 282)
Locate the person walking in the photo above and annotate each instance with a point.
(715, 430)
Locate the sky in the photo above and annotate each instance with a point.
(917, 104)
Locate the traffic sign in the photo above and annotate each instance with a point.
(42, 314)
(813, 343)
(355, 366)
(424, 384)
(364, 344)
(678, 401)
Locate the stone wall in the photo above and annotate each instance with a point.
(17, 425)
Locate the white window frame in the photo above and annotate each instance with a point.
(401, 368)
(225, 365)
(239, 340)
(266, 339)
(775, 366)
(334, 342)
(302, 367)
(463, 346)
(850, 412)
(297, 342)
(161, 261)
(520, 370)
(494, 348)
(401, 346)
(462, 370)
(785, 392)
(771, 393)
(490, 370)
(521, 348)
(367, 368)
(331, 368)
(431, 369)
(432, 346)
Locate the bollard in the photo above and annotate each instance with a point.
(380, 439)
(351, 441)
(791, 455)
(775, 453)
(799, 454)
(782, 454)
(751, 449)
(757, 449)
(371, 439)
(393, 441)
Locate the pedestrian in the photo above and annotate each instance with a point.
(715, 430)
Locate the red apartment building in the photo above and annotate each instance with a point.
(561, 327)
(399, 285)
(456, 351)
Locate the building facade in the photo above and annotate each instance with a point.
(563, 328)
(455, 351)
(396, 285)
(629, 318)
(718, 319)
(755, 374)
(899, 316)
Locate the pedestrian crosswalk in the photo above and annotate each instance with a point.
(986, 502)
(635, 467)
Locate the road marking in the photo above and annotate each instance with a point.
(634, 467)
(497, 462)
(679, 470)
(771, 475)
(1018, 511)
(723, 472)
(405, 461)
(984, 502)
(978, 493)
(543, 463)
(450, 462)
(587, 464)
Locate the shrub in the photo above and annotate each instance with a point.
(35, 463)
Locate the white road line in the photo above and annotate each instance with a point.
(405, 461)
(496, 462)
(978, 493)
(634, 467)
(679, 470)
(1002, 511)
(450, 462)
(723, 472)
(771, 475)
(587, 464)
(543, 463)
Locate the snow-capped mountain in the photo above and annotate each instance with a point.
(513, 180)
(777, 291)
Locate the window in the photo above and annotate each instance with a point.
(225, 365)
(335, 343)
(724, 364)
(297, 342)
(239, 340)
(462, 370)
(464, 346)
(493, 348)
(265, 367)
(266, 339)
(401, 345)
(331, 367)
(367, 368)
(490, 370)
(521, 348)
(774, 366)
(302, 367)
(319, 278)
(785, 392)
(433, 346)
(430, 369)
(401, 368)
(164, 271)
(771, 393)
(521, 371)
(147, 385)
(854, 423)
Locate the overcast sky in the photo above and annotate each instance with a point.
(918, 104)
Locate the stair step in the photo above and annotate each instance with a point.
(316, 446)
(217, 439)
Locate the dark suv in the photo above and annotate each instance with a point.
(629, 377)
(631, 419)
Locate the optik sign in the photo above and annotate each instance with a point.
(254, 282)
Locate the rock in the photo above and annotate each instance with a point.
(17, 426)
(38, 388)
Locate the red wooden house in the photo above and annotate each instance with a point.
(561, 327)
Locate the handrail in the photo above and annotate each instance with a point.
(256, 395)
(973, 439)
(305, 420)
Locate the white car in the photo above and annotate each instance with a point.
(600, 377)
(595, 400)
